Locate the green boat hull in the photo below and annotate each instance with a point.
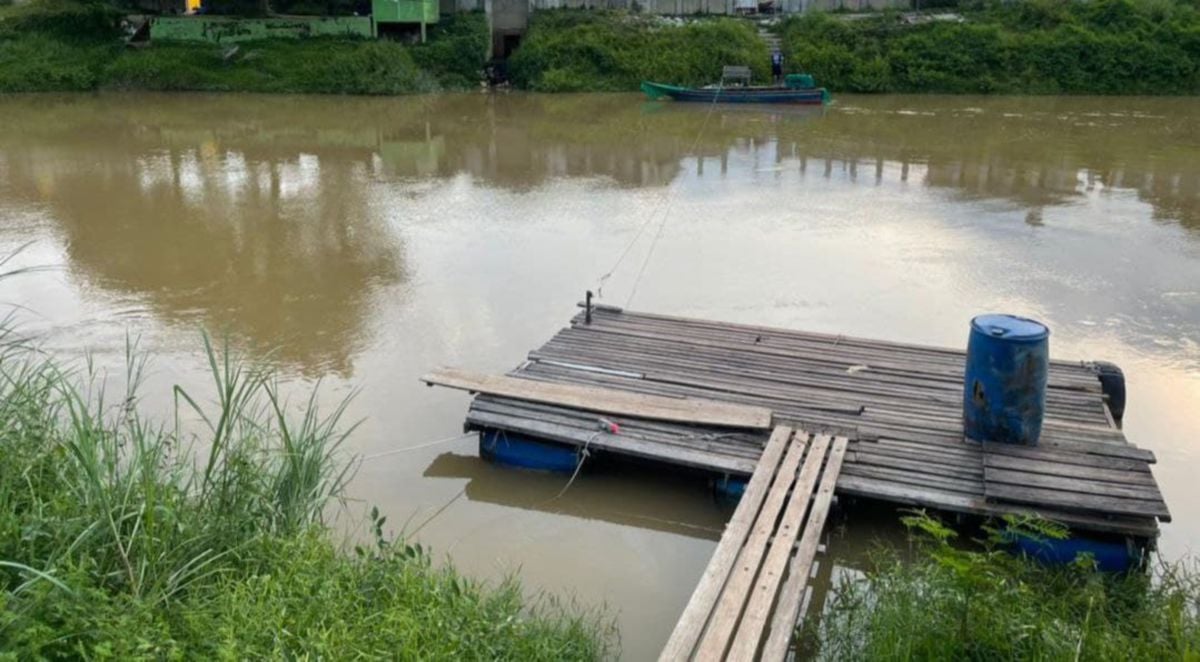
(784, 95)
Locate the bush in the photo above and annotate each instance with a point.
(65, 20)
(36, 63)
(316, 66)
(1035, 46)
(568, 50)
(78, 47)
(456, 51)
(956, 603)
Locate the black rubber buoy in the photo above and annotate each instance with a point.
(1112, 384)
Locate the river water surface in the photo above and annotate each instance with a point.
(361, 242)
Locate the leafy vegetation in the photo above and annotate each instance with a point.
(325, 66)
(970, 603)
(117, 542)
(574, 50)
(63, 46)
(1033, 46)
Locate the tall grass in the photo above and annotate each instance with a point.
(969, 603)
(203, 537)
(87, 481)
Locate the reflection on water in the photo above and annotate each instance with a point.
(624, 508)
(367, 240)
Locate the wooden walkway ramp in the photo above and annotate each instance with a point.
(748, 600)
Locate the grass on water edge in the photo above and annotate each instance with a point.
(118, 542)
(979, 602)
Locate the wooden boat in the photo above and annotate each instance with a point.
(773, 94)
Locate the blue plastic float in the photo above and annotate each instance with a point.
(728, 490)
(516, 450)
(1110, 556)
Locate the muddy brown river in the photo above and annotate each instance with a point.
(360, 242)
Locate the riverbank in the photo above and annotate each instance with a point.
(1032, 47)
(63, 46)
(1111, 47)
(117, 543)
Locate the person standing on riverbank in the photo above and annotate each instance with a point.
(777, 65)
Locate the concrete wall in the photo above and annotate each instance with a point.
(221, 29)
(508, 15)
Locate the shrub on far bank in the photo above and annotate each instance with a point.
(456, 50)
(578, 50)
(63, 46)
(1035, 46)
(38, 63)
(315, 66)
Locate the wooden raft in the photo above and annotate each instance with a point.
(900, 406)
(748, 600)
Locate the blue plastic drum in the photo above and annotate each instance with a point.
(516, 450)
(1004, 395)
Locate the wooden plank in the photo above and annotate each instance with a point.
(971, 486)
(1072, 470)
(758, 609)
(695, 615)
(1133, 459)
(609, 401)
(932, 498)
(1074, 370)
(1067, 484)
(623, 444)
(728, 609)
(788, 606)
(1073, 500)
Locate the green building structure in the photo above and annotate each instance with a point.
(388, 18)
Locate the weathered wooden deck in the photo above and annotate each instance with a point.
(899, 405)
(747, 602)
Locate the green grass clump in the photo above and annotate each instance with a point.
(575, 51)
(1033, 46)
(956, 603)
(118, 542)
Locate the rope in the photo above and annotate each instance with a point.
(670, 200)
(583, 455)
(417, 447)
(662, 204)
(628, 247)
